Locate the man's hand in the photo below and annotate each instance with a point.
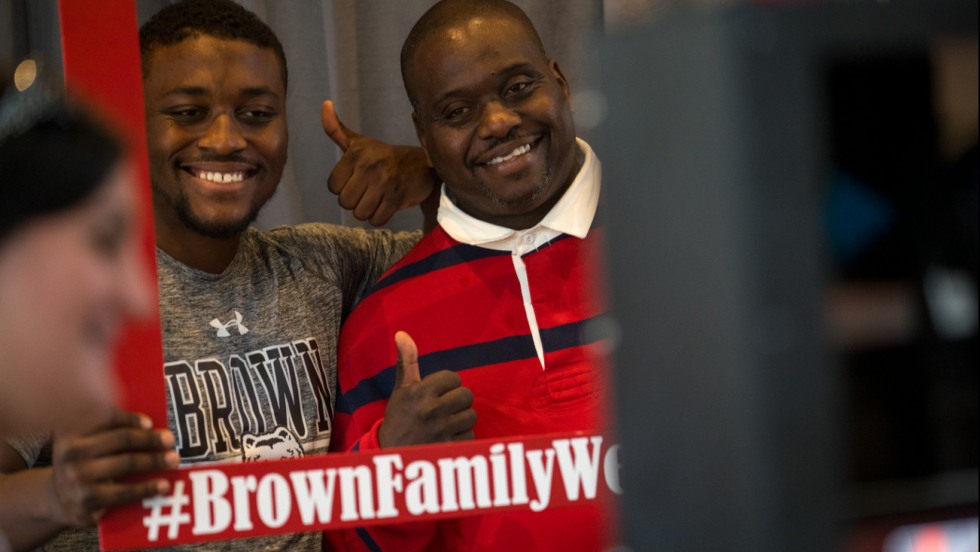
(375, 179)
(431, 410)
(88, 467)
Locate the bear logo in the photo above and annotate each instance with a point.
(280, 443)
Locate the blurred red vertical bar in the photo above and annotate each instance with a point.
(100, 48)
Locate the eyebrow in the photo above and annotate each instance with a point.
(255, 91)
(504, 73)
(248, 92)
(186, 91)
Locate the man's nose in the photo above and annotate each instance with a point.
(497, 120)
(223, 135)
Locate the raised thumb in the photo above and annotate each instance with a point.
(407, 369)
(333, 127)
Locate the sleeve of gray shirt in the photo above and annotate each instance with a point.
(358, 256)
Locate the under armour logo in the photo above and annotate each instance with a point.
(223, 328)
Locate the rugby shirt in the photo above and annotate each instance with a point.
(464, 306)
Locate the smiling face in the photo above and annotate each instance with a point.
(68, 280)
(493, 115)
(216, 131)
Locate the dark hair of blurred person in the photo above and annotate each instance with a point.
(69, 269)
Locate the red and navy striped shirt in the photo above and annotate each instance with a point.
(462, 304)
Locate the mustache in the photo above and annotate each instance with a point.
(230, 158)
(511, 136)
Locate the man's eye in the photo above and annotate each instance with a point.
(457, 114)
(517, 88)
(107, 239)
(188, 114)
(107, 244)
(257, 116)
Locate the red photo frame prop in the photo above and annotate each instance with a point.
(100, 51)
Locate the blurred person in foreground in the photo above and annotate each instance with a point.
(70, 273)
(250, 319)
(499, 297)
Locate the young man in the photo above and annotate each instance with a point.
(250, 319)
(511, 270)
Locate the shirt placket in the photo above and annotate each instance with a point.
(526, 243)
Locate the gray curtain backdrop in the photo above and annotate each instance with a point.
(343, 50)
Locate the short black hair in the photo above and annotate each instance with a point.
(449, 12)
(36, 127)
(222, 19)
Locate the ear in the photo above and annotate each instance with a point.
(420, 134)
(560, 77)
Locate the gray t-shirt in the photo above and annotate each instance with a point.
(250, 355)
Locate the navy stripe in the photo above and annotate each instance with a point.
(368, 541)
(569, 335)
(340, 405)
(507, 349)
(553, 241)
(458, 254)
(452, 256)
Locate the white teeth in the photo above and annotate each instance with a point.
(518, 151)
(220, 177)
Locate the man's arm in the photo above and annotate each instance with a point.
(374, 179)
(84, 479)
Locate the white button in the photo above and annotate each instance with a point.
(529, 239)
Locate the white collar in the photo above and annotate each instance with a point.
(572, 214)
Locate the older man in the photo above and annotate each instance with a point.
(499, 295)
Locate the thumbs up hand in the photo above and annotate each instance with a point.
(372, 178)
(432, 409)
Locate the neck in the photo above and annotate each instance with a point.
(212, 255)
(523, 221)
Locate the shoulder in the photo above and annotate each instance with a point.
(425, 247)
(319, 243)
(435, 250)
(314, 235)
